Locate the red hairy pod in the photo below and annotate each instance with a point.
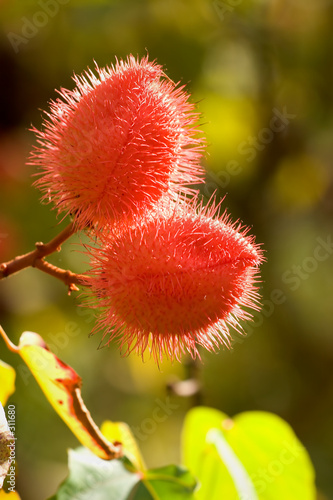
(117, 143)
(175, 280)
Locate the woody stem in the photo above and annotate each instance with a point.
(36, 258)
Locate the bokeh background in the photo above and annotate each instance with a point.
(262, 75)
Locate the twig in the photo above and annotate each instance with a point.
(36, 259)
(68, 277)
(8, 342)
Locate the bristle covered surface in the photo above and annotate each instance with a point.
(120, 140)
(175, 281)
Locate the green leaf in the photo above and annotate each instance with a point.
(170, 482)
(255, 456)
(201, 457)
(91, 477)
(238, 473)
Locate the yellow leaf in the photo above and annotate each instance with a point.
(119, 431)
(7, 382)
(11, 495)
(61, 385)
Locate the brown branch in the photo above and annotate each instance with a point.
(36, 259)
(69, 278)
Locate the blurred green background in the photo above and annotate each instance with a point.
(262, 74)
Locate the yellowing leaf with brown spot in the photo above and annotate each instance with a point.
(7, 382)
(61, 385)
(120, 431)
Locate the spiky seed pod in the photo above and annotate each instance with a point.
(175, 280)
(116, 143)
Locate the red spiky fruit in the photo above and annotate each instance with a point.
(116, 143)
(175, 280)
